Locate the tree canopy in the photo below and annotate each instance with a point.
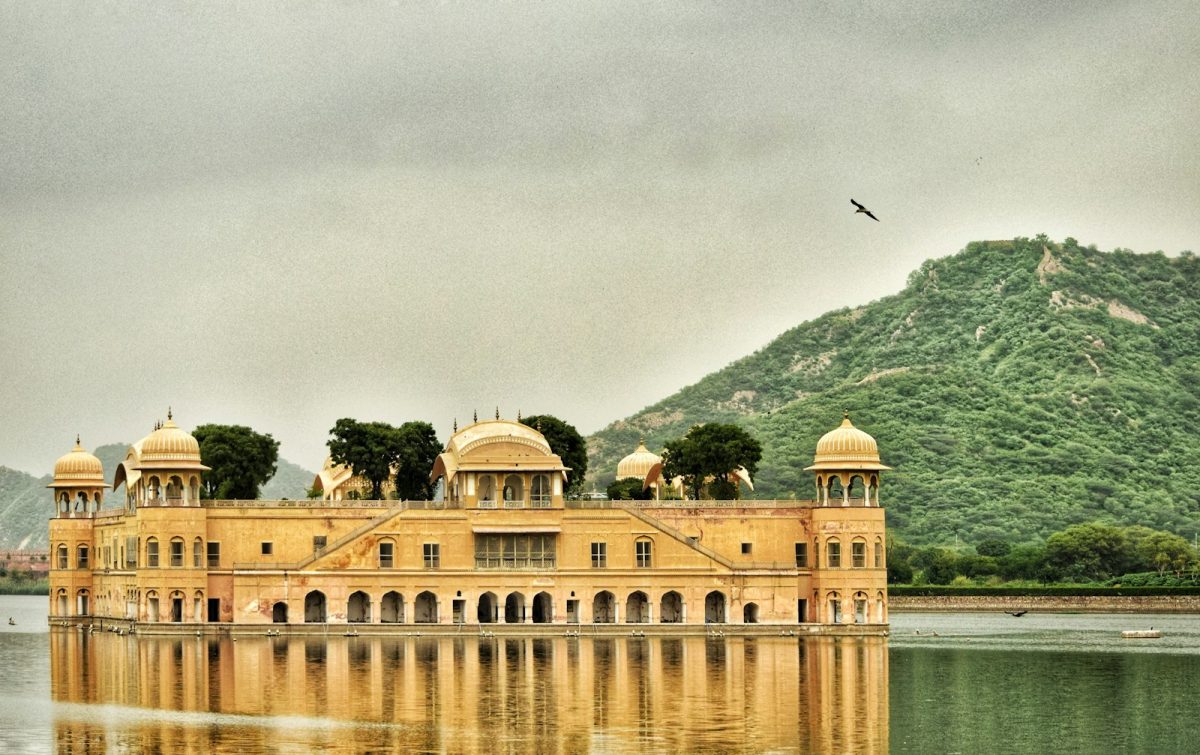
(565, 441)
(711, 454)
(629, 489)
(242, 460)
(376, 451)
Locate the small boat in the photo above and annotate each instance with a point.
(11, 623)
(1141, 634)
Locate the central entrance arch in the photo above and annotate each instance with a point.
(514, 608)
(714, 607)
(543, 608)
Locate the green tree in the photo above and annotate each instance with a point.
(629, 489)
(1089, 552)
(993, 547)
(242, 460)
(565, 441)
(368, 448)
(417, 450)
(713, 451)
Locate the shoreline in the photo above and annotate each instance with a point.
(1184, 604)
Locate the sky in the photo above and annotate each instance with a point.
(278, 214)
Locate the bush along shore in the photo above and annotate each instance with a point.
(22, 586)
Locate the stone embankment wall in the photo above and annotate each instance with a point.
(1060, 603)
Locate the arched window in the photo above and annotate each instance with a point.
(643, 553)
(314, 607)
(671, 610)
(387, 554)
(174, 488)
(487, 492)
(540, 492)
(604, 608)
(155, 487)
(878, 553)
(177, 552)
(514, 492)
(835, 608)
(194, 488)
(81, 561)
(62, 557)
(197, 553)
(637, 608)
(152, 552)
(750, 613)
(860, 608)
(358, 608)
(714, 607)
(858, 554)
(857, 489)
(833, 554)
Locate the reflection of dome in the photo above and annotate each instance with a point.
(638, 463)
(847, 447)
(170, 447)
(78, 468)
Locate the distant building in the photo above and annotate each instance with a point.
(504, 546)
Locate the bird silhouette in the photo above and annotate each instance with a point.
(864, 210)
(1017, 613)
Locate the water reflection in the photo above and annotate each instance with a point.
(203, 694)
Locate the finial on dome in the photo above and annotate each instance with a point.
(169, 413)
(456, 424)
(518, 415)
(539, 424)
(497, 412)
(845, 414)
(475, 416)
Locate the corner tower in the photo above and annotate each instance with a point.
(847, 465)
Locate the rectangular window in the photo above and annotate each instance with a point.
(83, 557)
(319, 542)
(131, 551)
(62, 557)
(514, 551)
(642, 552)
(878, 555)
(858, 555)
(802, 555)
(268, 548)
(214, 555)
(152, 553)
(176, 553)
(747, 548)
(833, 554)
(433, 555)
(599, 555)
(386, 552)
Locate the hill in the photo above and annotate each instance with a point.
(1017, 387)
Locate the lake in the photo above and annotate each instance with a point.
(969, 683)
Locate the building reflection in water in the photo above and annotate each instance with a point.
(204, 694)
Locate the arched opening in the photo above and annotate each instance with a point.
(358, 608)
(858, 553)
(391, 608)
(314, 607)
(637, 608)
(194, 488)
(750, 613)
(857, 488)
(152, 552)
(880, 608)
(177, 607)
(279, 613)
(63, 559)
(64, 503)
(514, 608)
(176, 553)
(514, 492)
(860, 608)
(81, 557)
(878, 553)
(604, 608)
(425, 608)
(152, 606)
(487, 492)
(714, 607)
(154, 487)
(835, 608)
(174, 488)
(543, 608)
(539, 495)
(82, 603)
(197, 553)
(835, 489)
(63, 608)
(671, 610)
(488, 610)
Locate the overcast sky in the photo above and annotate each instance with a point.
(279, 214)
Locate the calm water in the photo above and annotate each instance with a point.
(975, 683)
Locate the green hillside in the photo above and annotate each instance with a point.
(1018, 387)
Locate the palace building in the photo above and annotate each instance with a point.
(501, 546)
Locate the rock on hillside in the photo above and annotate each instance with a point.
(1018, 387)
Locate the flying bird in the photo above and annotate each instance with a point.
(863, 210)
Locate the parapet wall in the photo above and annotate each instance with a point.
(1060, 603)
